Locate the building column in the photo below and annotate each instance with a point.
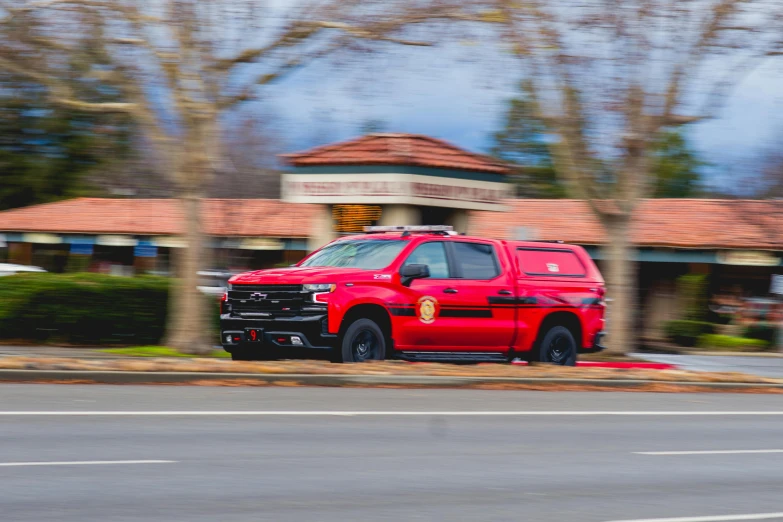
(399, 215)
(322, 230)
(459, 220)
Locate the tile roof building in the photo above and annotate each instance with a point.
(162, 217)
(670, 223)
(738, 243)
(397, 149)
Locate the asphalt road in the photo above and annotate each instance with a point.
(95, 453)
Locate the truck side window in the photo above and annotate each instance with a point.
(477, 260)
(432, 254)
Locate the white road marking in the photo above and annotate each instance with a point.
(84, 463)
(717, 518)
(708, 452)
(334, 413)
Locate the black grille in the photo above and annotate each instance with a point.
(277, 300)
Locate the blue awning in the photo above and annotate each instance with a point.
(79, 240)
(145, 249)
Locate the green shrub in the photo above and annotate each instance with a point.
(728, 342)
(85, 308)
(686, 333)
(692, 289)
(763, 331)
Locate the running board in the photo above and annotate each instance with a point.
(453, 356)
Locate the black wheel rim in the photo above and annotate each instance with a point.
(559, 350)
(364, 345)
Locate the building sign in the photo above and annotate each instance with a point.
(116, 241)
(261, 243)
(44, 239)
(169, 242)
(353, 218)
(748, 258)
(405, 189)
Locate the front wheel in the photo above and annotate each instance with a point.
(363, 341)
(558, 347)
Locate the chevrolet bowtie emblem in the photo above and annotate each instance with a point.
(256, 296)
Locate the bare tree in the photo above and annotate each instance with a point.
(608, 76)
(770, 183)
(249, 166)
(184, 65)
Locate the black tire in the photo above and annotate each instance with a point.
(363, 340)
(557, 347)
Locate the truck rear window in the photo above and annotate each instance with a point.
(552, 262)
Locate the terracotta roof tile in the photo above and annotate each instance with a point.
(222, 217)
(397, 149)
(674, 223)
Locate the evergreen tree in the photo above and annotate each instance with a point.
(523, 143)
(46, 151)
(676, 167)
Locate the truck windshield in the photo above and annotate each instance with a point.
(371, 254)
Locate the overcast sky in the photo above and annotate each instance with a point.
(459, 94)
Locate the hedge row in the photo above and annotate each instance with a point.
(686, 333)
(85, 308)
(728, 342)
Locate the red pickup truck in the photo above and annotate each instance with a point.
(420, 293)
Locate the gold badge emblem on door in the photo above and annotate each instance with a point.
(428, 309)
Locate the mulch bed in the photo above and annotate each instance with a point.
(314, 367)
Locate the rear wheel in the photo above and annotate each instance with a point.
(557, 347)
(363, 340)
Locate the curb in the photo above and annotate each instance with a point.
(338, 380)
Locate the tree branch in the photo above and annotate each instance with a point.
(378, 31)
(280, 72)
(712, 29)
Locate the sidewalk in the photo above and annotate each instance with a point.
(761, 364)
(65, 365)
(56, 351)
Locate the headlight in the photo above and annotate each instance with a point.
(320, 287)
(230, 286)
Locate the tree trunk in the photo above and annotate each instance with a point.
(621, 285)
(187, 326)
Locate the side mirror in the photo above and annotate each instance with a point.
(410, 272)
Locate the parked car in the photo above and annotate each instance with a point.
(213, 282)
(7, 269)
(421, 293)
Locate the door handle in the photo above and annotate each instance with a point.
(450, 291)
(504, 292)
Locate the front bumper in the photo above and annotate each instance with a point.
(277, 332)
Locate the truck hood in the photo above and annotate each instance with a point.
(301, 275)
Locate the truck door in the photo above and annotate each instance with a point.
(455, 308)
(484, 294)
(419, 324)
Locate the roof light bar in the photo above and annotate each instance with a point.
(410, 228)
